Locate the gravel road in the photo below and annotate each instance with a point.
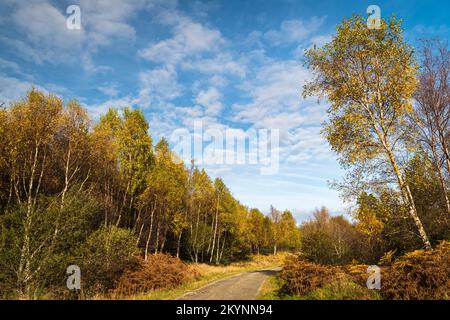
(244, 286)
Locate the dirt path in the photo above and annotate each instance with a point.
(244, 286)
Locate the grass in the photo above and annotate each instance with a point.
(211, 273)
(270, 290)
(337, 290)
(342, 290)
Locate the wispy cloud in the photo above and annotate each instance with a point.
(294, 31)
(189, 39)
(46, 39)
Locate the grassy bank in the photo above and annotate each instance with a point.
(336, 290)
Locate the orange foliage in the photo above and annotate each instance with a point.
(421, 274)
(159, 271)
(301, 277)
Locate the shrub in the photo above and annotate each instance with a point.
(107, 253)
(421, 274)
(358, 273)
(301, 277)
(159, 271)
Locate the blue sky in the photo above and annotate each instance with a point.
(229, 64)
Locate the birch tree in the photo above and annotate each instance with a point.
(368, 76)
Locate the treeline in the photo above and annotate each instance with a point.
(389, 123)
(96, 196)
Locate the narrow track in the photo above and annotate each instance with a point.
(244, 286)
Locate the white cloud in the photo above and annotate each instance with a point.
(90, 67)
(158, 86)
(218, 81)
(6, 64)
(109, 90)
(276, 89)
(12, 89)
(46, 39)
(210, 100)
(10, 66)
(105, 20)
(222, 63)
(25, 51)
(275, 92)
(189, 39)
(306, 143)
(294, 31)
